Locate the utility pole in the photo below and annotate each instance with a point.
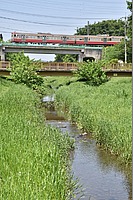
(125, 40)
(88, 28)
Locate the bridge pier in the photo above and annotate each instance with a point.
(95, 54)
(80, 58)
(2, 54)
(81, 55)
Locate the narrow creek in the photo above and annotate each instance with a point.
(99, 173)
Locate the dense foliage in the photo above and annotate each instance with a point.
(66, 58)
(23, 70)
(114, 52)
(104, 111)
(111, 27)
(92, 73)
(129, 25)
(34, 158)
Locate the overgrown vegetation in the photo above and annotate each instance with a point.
(23, 70)
(105, 111)
(66, 58)
(110, 27)
(34, 160)
(92, 73)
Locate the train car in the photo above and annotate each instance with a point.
(48, 38)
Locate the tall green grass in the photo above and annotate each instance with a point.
(104, 111)
(34, 158)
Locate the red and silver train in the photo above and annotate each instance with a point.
(61, 39)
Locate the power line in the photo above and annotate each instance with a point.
(13, 29)
(40, 23)
(64, 4)
(50, 16)
(33, 22)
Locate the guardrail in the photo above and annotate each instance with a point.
(68, 66)
(58, 66)
(4, 64)
(123, 66)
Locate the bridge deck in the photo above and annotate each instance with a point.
(66, 69)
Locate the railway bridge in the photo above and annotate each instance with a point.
(82, 51)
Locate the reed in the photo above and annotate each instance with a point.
(104, 111)
(35, 159)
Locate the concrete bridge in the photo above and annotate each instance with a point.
(67, 69)
(94, 53)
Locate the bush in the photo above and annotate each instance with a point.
(23, 70)
(92, 73)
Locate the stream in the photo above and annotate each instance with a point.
(101, 176)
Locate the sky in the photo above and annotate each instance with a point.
(56, 16)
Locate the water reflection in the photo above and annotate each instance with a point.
(99, 173)
(100, 180)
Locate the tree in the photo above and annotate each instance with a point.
(118, 51)
(114, 52)
(129, 32)
(110, 27)
(23, 70)
(92, 73)
(66, 58)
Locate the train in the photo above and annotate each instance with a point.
(62, 39)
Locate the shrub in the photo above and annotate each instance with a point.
(23, 70)
(92, 73)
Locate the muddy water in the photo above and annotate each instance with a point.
(99, 174)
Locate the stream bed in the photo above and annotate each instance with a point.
(101, 176)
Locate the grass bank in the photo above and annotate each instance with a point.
(34, 157)
(104, 111)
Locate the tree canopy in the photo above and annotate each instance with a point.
(110, 27)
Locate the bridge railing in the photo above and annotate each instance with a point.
(58, 66)
(73, 66)
(4, 64)
(69, 66)
(118, 66)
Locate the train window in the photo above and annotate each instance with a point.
(72, 38)
(64, 38)
(50, 38)
(85, 39)
(44, 37)
(104, 39)
(22, 36)
(92, 39)
(115, 39)
(97, 39)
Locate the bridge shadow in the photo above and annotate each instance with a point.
(88, 59)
